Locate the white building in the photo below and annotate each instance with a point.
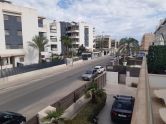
(106, 44)
(81, 33)
(18, 25)
(160, 33)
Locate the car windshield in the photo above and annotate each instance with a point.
(88, 72)
(125, 105)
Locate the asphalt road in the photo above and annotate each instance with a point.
(31, 98)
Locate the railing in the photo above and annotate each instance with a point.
(142, 113)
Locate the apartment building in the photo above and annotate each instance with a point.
(147, 40)
(106, 43)
(160, 33)
(80, 33)
(18, 25)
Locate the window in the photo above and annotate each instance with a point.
(40, 22)
(18, 19)
(19, 33)
(21, 59)
(54, 47)
(7, 33)
(6, 17)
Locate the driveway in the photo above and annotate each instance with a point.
(111, 90)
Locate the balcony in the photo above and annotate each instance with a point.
(43, 28)
(54, 49)
(73, 30)
(74, 36)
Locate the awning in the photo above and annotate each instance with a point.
(10, 53)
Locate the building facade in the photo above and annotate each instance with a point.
(80, 33)
(147, 40)
(160, 33)
(18, 26)
(106, 43)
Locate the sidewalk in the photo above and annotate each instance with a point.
(27, 78)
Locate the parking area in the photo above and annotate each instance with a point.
(111, 90)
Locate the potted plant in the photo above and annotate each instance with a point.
(53, 117)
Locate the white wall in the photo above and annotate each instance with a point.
(57, 35)
(29, 29)
(82, 25)
(112, 77)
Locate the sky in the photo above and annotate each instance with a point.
(118, 18)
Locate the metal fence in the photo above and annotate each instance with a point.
(18, 70)
(71, 98)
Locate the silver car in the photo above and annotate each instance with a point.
(89, 75)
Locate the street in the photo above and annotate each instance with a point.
(31, 98)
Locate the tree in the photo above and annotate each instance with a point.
(94, 92)
(81, 49)
(66, 41)
(38, 42)
(128, 46)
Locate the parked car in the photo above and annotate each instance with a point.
(12, 118)
(100, 69)
(89, 75)
(122, 108)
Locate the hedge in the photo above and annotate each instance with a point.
(156, 59)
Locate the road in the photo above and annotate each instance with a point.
(31, 98)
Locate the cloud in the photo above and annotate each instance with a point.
(119, 18)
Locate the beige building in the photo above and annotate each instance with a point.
(106, 43)
(147, 40)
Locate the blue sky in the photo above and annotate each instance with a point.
(118, 18)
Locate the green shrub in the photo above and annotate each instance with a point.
(156, 59)
(89, 111)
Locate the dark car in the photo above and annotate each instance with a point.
(89, 75)
(122, 108)
(11, 118)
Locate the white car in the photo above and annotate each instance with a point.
(100, 69)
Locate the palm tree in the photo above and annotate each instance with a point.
(81, 49)
(128, 46)
(38, 42)
(66, 41)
